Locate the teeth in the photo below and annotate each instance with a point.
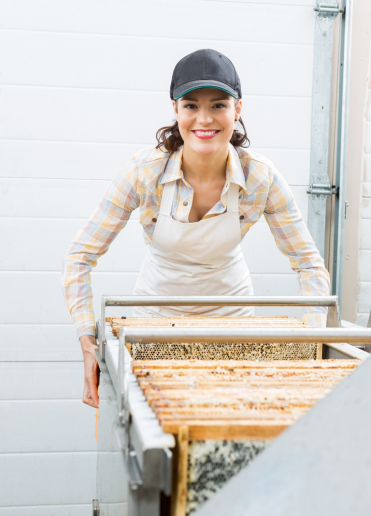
(205, 133)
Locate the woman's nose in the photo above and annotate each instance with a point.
(204, 118)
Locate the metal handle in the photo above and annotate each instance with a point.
(333, 319)
(219, 300)
(259, 335)
(122, 394)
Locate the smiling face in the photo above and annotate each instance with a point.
(206, 119)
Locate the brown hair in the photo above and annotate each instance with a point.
(169, 137)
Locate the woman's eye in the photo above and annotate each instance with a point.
(219, 105)
(190, 106)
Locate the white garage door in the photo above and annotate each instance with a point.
(84, 85)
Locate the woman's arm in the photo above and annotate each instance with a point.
(294, 241)
(92, 241)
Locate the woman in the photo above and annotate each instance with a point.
(199, 192)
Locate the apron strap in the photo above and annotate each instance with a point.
(232, 198)
(167, 198)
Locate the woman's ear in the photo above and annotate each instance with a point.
(175, 107)
(238, 107)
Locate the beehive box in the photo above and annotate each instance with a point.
(226, 402)
(223, 413)
(210, 351)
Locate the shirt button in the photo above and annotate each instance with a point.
(185, 203)
(154, 219)
(242, 217)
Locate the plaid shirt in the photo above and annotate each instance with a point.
(140, 185)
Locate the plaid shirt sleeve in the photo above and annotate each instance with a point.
(294, 241)
(93, 241)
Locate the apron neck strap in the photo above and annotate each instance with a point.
(167, 198)
(232, 198)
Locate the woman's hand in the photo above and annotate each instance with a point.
(91, 371)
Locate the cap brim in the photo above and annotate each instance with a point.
(197, 85)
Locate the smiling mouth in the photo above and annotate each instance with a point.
(205, 135)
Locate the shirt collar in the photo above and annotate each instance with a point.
(234, 170)
(173, 169)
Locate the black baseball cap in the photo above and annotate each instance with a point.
(205, 68)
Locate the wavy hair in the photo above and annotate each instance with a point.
(169, 137)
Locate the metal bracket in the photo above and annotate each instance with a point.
(135, 477)
(123, 392)
(96, 509)
(333, 316)
(324, 9)
(102, 328)
(98, 334)
(134, 473)
(326, 189)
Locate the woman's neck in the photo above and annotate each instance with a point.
(204, 168)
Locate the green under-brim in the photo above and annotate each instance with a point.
(201, 87)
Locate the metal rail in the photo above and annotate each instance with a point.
(342, 148)
(220, 300)
(259, 335)
(333, 319)
(320, 187)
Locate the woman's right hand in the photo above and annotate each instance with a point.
(91, 371)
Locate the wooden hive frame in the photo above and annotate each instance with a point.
(207, 351)
(243, 401)
(230, 401)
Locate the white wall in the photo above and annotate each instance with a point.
(84, 84)
(358, 87)
(364, 292)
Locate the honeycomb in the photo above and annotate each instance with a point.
(212, 351)
(250, 400)
(226, 351)
(212, 463)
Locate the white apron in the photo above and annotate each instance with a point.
(196, 259)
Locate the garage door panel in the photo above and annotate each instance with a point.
(66, 478)
(67, 425)
(42, 380)
(41, 245)
(67, 160)
(36, 297)
(48, 305)
(132, 63)
(71, 160)
(47, 510)
(35, 113)
(70, 199)
(39, 342)
(263, 21)
(22, 240)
